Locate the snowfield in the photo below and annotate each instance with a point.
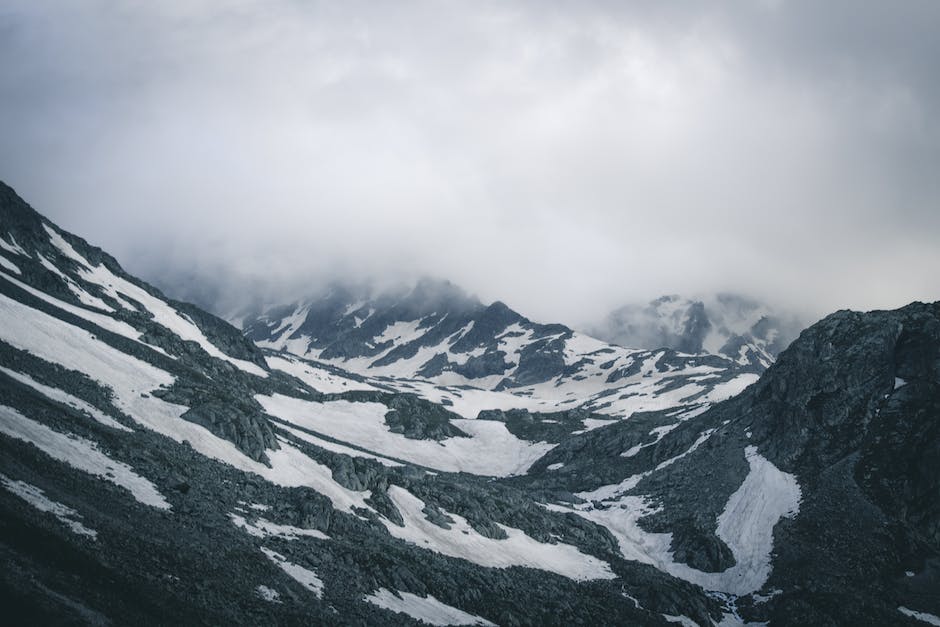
(746, 524)
(464, 542)
(320, 379)
(105, 322)
(490, 450)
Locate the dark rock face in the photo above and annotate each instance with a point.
(867, 441)
(419, 419)
(864, 442)
(251, 433)
(409, 415)
(477, 367)
(540, 361)
(693, 333)
(855, 360)
(852, 410)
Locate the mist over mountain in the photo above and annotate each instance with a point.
(563, 159)
(726, 324)
(416, 456)
(470, 313)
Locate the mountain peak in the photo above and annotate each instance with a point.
(727, 324)
(432, 296)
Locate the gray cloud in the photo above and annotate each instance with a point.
(565, 158)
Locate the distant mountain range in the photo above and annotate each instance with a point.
(435, 340)
(734, 326)
(418, 457)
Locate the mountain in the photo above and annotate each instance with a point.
(819, 484)
(156, 466)
(434, 340)
(730, 325)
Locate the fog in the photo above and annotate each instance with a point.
(564, 158)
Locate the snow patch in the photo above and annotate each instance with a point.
(399, 332)
(105, 322)
(12, 247)
(268, 594)
(464, 542)
(728, 389)
(425, 609)
(633, 450)
(65, 398)
(304, 576)
(37, 498)
(319, 379)
(133, 382)
(694, 413)
(291, 323)
(262, 528)
(746, 524)
(930, 619)
(81, 454)
(75, 288)
(9, 265)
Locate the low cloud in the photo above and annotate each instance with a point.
(563, 158)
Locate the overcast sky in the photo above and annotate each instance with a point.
(563, 157)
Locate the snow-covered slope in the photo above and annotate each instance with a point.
(739, 328)
(156, 466)
(435, 341)
(122, 410)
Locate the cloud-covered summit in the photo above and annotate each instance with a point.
(563, 158)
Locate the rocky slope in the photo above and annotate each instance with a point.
(835, 449)
(739, 328)
(155, 467)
